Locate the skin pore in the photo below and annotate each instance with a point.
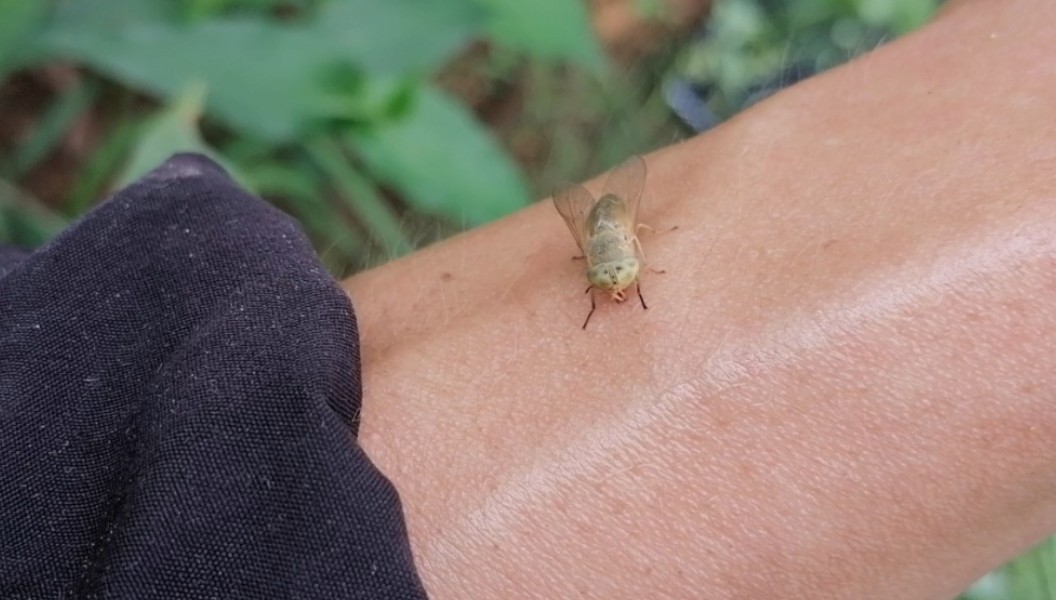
(843, 386)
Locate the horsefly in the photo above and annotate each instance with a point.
(606, 230)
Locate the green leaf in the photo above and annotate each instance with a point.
(113, 15)
(1033, 575)
(444, 162)
(398, 36)
(174, 130)
(546, 29)
(20, 20)
(272, 79)
(262, 79)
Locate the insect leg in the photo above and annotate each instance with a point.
(592, 307)
(639, 288)
(638, 245)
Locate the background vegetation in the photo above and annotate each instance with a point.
(383, 125)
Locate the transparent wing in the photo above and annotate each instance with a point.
(573, 203)
(627, 182)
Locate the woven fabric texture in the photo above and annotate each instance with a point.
(179, 388)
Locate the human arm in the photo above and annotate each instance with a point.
(842, 387)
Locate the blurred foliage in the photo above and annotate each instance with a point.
(326, 107)
(755, 47)
(1029, 577)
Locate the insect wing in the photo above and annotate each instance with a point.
(627, 182)
(573, 203)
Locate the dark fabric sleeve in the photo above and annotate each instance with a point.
(179, 389)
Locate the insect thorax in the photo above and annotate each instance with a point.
(610, 208)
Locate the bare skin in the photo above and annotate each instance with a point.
(843, 387)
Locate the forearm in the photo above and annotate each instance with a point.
(843, 384)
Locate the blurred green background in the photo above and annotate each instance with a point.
(384, 125)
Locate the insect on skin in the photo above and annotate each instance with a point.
(606, 230)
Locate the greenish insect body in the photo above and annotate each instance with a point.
(605, 230)
(611, 259)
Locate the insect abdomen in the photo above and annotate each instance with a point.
(609, 246)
